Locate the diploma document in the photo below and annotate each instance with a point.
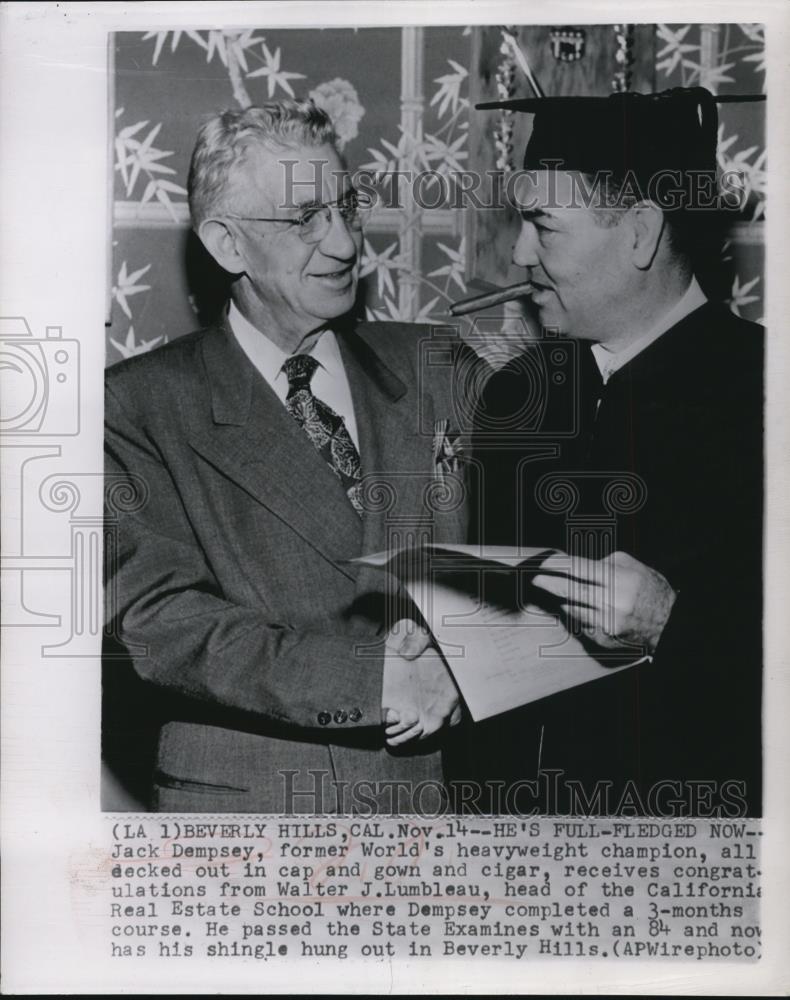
(504, 640)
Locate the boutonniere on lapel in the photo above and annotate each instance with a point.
(447, 451)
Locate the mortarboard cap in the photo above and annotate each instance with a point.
(641, 136)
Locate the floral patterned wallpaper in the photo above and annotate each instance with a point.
(736, 65)
(399, 100)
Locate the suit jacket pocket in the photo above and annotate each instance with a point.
(210, 769)
(164, 780)
(206, 760)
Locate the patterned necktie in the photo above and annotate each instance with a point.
(323, 426)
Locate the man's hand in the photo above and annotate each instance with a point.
(418, 694)
(408, 639)
(614, 600)
(400, 709)
(437, 701)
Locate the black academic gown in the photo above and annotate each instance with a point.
(668, 468)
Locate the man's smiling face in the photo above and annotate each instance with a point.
(300, 286)
(578, 264)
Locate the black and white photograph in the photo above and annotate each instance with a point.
(394, 471)
(603, 418)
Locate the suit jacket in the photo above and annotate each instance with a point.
(668, 468)
(231, 589)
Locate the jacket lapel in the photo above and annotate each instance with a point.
(250, 437)
(253, 441)
(397, 456)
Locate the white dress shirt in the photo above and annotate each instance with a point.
(329, 383)
(610, 361)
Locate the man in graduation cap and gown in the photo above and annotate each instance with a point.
(642, 458)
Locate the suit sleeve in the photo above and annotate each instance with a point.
(166, 607)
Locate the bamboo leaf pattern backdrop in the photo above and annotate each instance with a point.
(398, 98)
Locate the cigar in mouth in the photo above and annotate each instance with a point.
(494, 298)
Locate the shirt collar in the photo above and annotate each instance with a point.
(611, 361)
(327, 353)
(269, 359)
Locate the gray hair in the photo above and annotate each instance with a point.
(224, 139)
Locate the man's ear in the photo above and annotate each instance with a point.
(647, 225)
(220, 241)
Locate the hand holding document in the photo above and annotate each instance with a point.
(505, 640)
(612, 599)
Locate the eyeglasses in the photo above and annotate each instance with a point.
(314, 221)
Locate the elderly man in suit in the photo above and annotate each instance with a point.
(641, 457)
(273, 449)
